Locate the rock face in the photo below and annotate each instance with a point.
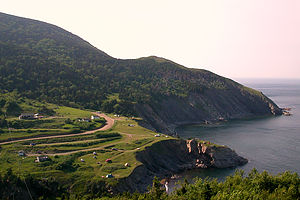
(211, 105)
(173, 156)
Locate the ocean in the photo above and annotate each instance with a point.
(271, 144)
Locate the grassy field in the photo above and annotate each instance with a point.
(72, 158)
(72, 113)
(63, 120)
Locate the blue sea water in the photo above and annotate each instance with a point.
(271, 144)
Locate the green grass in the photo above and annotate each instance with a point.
(127, 139)
(27, 133)
(133, 145)
(72, 113)
(253, 91)
(55, 125)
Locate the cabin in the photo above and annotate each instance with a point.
(27, 116)
(93, 117)
(42, 158)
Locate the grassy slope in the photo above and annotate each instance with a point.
(65, 153)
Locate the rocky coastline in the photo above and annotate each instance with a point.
(165, 158)
(211, 106)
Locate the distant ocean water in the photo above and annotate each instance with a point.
(271, 144)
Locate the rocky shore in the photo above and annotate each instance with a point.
(209, 106)
(173, 156)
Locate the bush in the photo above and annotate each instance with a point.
(107, 135)
(3, 122)
(46, 111)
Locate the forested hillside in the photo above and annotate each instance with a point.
(44, 62)
(253, 186)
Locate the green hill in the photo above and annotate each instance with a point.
(44, 62)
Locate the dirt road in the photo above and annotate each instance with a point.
(109, 124)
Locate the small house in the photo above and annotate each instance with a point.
(93, 117)
(94, 153)
(42, 158)
(27, 116)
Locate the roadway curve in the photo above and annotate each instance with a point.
(109, 124)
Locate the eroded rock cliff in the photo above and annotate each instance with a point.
(173, 156)
(211, 105)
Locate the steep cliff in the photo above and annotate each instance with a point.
(173, 156)
(235, 102)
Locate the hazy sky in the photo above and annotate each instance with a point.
(233, 38)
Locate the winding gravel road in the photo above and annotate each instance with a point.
(109, 124)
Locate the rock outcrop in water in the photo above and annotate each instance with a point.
(173, 156)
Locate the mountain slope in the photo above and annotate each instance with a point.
(44, 62)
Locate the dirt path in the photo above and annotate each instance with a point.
(76, 151)
(109, 124)
(91, 149)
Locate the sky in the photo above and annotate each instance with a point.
(233, 38)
